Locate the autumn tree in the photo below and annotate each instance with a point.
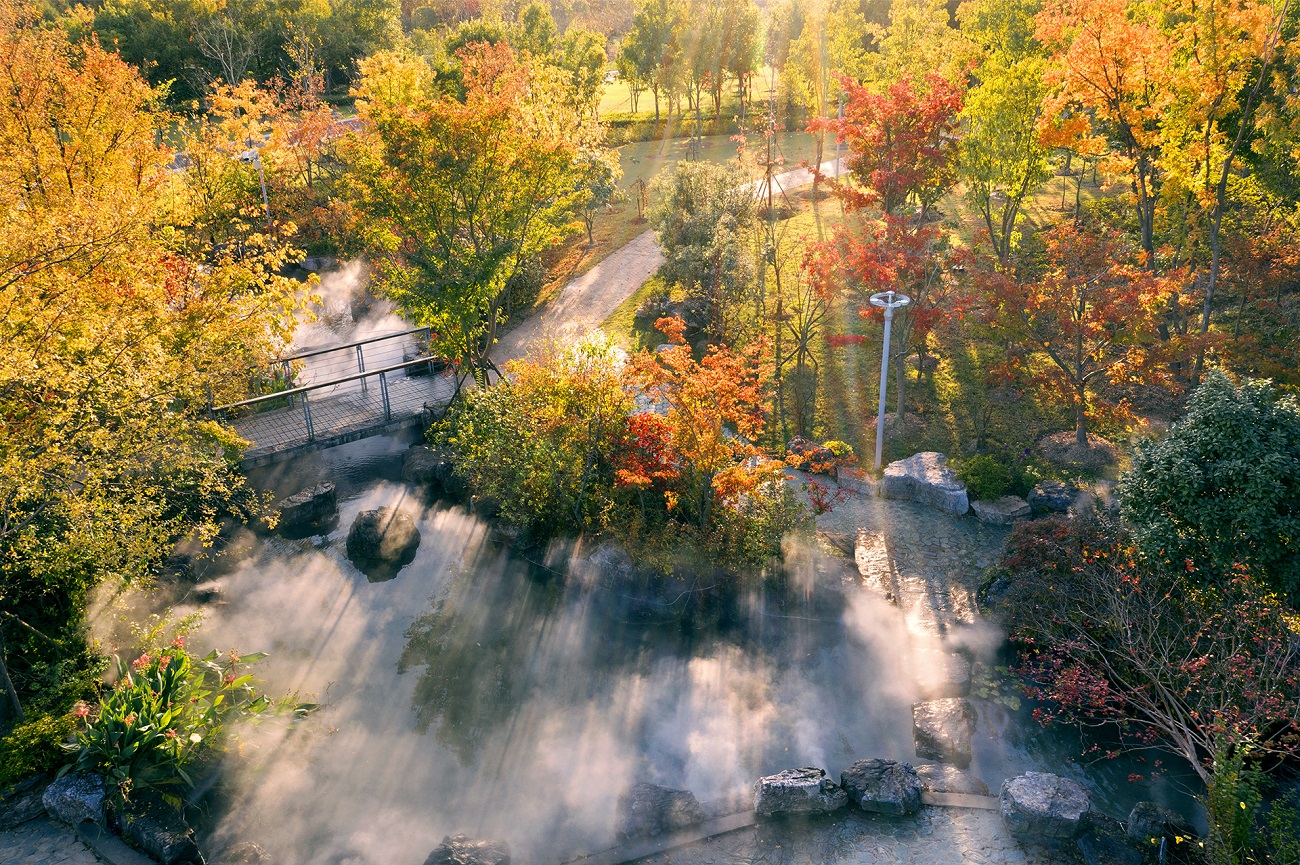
(902, 158)
(114, 337)
(1112, 64)
(712, 410)
(459, 191)
(1090, 309)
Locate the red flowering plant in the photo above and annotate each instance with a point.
(166, 710)
(1209, 669)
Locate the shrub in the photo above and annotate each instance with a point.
(985, 477)
(1223, 485)
(843, 451)
(36, 746)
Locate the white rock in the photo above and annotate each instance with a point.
(926, 478)
(1003, 511)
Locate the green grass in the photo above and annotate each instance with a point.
(623, 327)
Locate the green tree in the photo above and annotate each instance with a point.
(703, 214)
(581, 54)
(458, 192)
(600, 173)
(1223, 485)
(1003, 159)
(114, 338)
(655, 42)
(536, 31)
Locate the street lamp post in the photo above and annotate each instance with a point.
(888, 301)
(254, 155)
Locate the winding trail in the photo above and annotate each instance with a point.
(584, 304)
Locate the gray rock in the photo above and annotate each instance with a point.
(1052, 497)
(308, 509)
(1103, 843)
(1044, 806)
(648, 809)
(926, 478)
(463, 850)
(160, 830)
(942, 730)
(1149, 821)
(1003, 511)
(23, 803)
(798, 791)
(425, 466)
(941, 778)
(76, 797)
(384, 535)
(883, 786)
(942, 674)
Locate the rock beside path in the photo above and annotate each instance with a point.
(798, 791)
(159, 830)
(647, 809)
(75, 798)
(883, 786)
(463, 850)
(309, 509)
(926, 478)
(1052, 497)
(385, 535)
(1002, 511)
(942, 730)
(1044, 806)
(24, 802)
(942, 778)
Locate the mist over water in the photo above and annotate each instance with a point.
(480, 692)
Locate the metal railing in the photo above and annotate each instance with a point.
(326, 410)
(336, 361)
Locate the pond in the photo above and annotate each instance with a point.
(514, 697)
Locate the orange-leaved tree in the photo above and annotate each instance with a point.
(707, 415)
(1091, 310)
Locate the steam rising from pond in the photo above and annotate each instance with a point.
(481, 693)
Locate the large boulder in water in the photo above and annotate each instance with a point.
(942, 730)
(926, 478)
(648, 809)
(883, 786)
(76, 798)
(1040, 805)
(385, 535)
(309, 509)
(798, 791)
(159, 830)
(1148, 823)
(463, 850)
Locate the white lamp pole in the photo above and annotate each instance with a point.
(889, 301)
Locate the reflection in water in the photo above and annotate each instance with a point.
(480, 693)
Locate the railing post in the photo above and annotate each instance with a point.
(383, 386)
(288, 371)
(361, 366)
(306, 416)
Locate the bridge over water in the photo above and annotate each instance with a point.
(328, 396)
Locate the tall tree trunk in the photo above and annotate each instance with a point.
(15, 709)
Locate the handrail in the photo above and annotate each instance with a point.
(320, 351)
(317, 386)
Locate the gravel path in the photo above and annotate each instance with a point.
(43, 842)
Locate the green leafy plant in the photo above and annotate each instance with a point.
(165, 712)
(996, 684)
(843, 451)
(33, 747)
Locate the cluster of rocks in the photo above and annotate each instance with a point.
(927, 478)
(809, 456)
(146, 822)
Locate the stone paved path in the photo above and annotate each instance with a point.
(43, 842)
